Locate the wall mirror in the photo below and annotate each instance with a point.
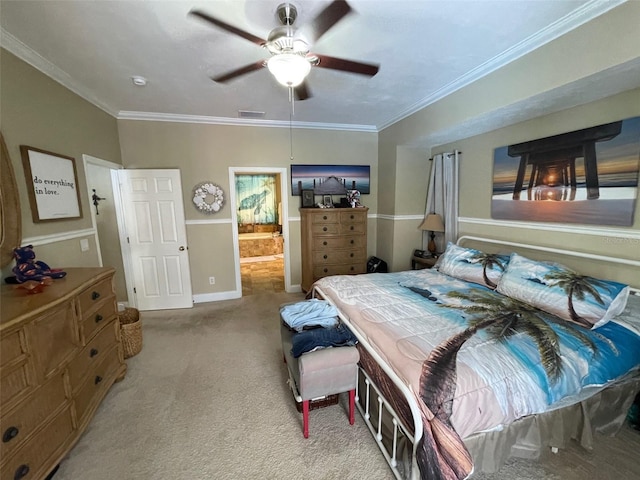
(10, 217)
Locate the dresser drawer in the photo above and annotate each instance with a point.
(53, 339)
(91, 297)
(347, 228)
(30, 462)
(92, 323)
(96, 384)
(325, 217)
(14, 362)
(353, 217)
(11, 348)
(327, 270)
(346, 241)
(338, 256)
(325, 229)
(91, 355)
(13, 383)
(19, 423)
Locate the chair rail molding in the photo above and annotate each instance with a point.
(595, 230)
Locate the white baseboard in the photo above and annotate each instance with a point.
(231, 295)
(216, 297)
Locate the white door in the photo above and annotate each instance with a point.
(155, 224)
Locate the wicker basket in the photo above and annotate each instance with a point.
(130, 331)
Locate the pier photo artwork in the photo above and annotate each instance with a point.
(330, 179)
(587, 176)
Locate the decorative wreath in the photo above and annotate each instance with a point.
(208, 197)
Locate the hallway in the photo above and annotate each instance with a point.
(262, 276)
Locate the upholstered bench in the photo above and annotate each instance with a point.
(319, 374)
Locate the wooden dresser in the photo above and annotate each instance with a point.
(60, 352)
(334, 242)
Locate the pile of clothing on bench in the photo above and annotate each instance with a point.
(316, 325)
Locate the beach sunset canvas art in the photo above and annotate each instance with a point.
(587, 176)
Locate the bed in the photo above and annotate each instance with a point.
(488, 356)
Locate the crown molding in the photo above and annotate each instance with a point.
(37, 61)
(578, 17)
(587, 12)
(243, 122)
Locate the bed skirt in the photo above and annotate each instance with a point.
(528, 437)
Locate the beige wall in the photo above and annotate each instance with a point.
(476, 181)
(205, 152)
(583, 58)
(39, 112)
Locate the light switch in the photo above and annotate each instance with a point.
(84, 244)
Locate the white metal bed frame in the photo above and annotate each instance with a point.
(375, 424)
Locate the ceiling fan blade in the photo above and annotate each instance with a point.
(350, 66)
(326, 19)
(229, 28)
(302, 91)
(239, 71)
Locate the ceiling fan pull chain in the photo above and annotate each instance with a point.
(291, 111)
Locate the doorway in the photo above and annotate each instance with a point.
(260, 229)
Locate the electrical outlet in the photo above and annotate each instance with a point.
(212, 280)
(84, 245)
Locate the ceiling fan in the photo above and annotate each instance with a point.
(291, 59)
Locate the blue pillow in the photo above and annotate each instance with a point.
(472, 265)
(558, 290)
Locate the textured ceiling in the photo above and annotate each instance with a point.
(426, 49)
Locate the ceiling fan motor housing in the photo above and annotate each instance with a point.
(287, 13)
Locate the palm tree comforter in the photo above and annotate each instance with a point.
(475, 359)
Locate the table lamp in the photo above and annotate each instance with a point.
(433, 223)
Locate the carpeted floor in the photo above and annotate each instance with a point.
(207, 399)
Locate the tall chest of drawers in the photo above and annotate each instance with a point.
(334, 242)
(60, 352)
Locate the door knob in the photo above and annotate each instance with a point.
(181, 249)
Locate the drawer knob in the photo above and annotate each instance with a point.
(351, 255)
(97, 380)
(93, 352)
(352, 217)
(99, 318)
(352, 268)
(324, 243)
(351, 227)
(352, 241)
(325, 257)
(326, 270)
(95, 295)
(21, 472)
(324, 229)
(9, 434)
(324, 218)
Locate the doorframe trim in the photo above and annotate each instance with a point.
(284, 201)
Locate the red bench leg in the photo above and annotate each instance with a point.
(352, 403)
(305, 418)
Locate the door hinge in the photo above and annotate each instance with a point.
(128, 240)
(134, 290)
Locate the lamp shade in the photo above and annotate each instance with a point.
(290, 69)
(432, 222)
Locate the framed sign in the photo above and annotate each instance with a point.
(52, 184)
(307, 198)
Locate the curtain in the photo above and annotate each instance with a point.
(256, 199)
(442, 197)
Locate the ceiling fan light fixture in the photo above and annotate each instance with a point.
(289, 69)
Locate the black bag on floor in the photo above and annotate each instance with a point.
(376, 265)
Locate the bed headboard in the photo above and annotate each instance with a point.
(622, 270)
